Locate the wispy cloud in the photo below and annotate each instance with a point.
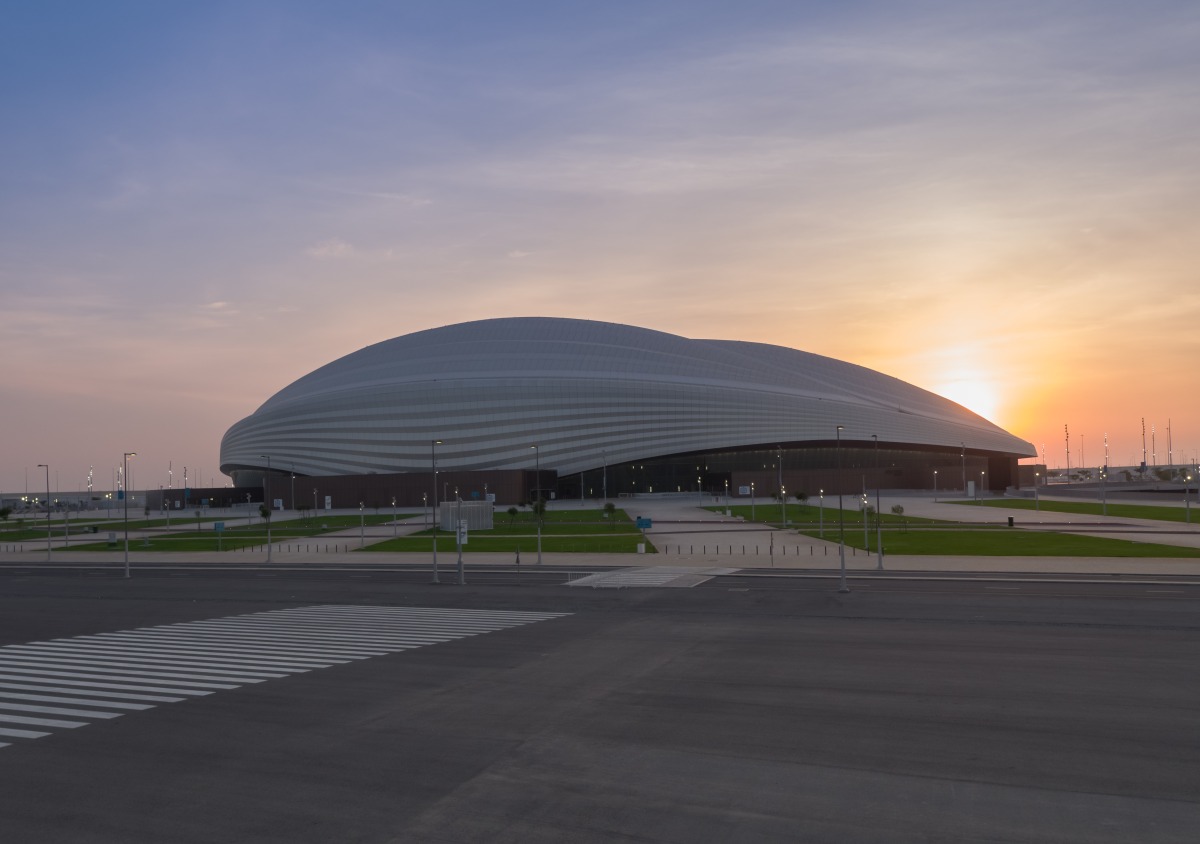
(332, 248)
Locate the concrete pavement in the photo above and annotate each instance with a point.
(687, 535)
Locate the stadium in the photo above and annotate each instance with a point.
(516, 408)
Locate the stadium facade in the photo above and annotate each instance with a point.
(605, 410)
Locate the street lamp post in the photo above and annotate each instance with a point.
(1037, 492)
(865, 506)
(362, 527)
(821, 514)
(935, 486)
(752, 501)
(293, 498)
(125, 468)
(782, 491)
(979, 494)
(1104, 491)
(46, 466)
(537, 483)
(462, 577)
(433, 513)
(267, 502)
(842, 587)
(878, 511)
(395, 518)
(1187, 498)
(964, 468)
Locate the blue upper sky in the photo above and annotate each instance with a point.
(200, 202)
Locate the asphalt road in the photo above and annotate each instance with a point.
(752, 708)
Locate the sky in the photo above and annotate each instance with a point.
(202, 202)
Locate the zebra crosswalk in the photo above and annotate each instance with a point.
(650, 576)
(64, 684)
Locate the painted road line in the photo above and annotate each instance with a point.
(94, 689)
(175, 662)
(77, 701)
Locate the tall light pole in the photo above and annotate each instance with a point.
(125, 469)
(935, 486)
(752, 501)
(821, 514)
(293, 501)
(782, 491)
(462, 576)
(1187, 498)
(46, 466)
(605, 453)
(433, 513)
(1104, 491)
(362, 527)
(964, 467)
(863, 510)
(1037, 501)
(267, 501)
(842, 587)
(878, 511)
(537, 482)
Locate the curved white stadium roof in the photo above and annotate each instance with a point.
(586, 393)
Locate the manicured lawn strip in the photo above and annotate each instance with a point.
(480, 542)
(79, 528)
(934, 536)
(527, 517)
(806, 516)
(1007, 542)
(241, 536)
(177, 543)
(503, 528)
(1115, 510)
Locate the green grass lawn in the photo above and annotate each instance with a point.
(240, 535)
(568, 531)
(528, 518)
(1012, 542)
(481, 542)
(807, 515)
(1114, 510)
(920, 536)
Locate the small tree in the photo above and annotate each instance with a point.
(802, 497)
(512, 515)
(539, 508)
(5, 512)
(264, 511)
(610, 512)
(898, 510)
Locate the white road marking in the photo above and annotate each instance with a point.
(138, 669)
